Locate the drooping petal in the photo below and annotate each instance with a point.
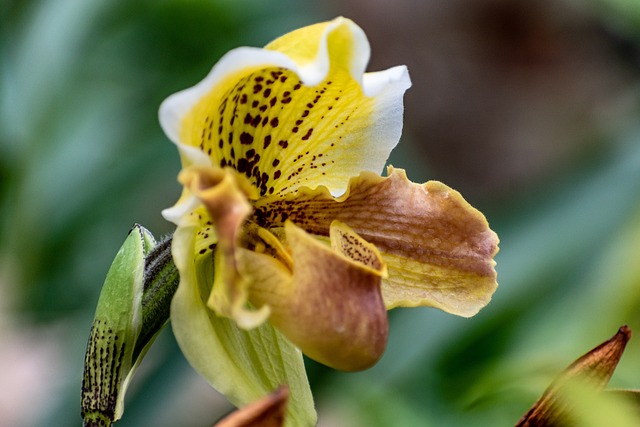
(243, 365)
(225, 196)
(299, 112)
(438, 249)
(330, 305)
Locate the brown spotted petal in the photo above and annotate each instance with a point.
(329, 304)
(438, 249)
(225, 195)
(596, 368)
(267, 412)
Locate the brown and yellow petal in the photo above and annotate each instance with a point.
(438, 249)
(330, 304)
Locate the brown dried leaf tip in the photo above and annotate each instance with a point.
(266, 412)
(595, 367)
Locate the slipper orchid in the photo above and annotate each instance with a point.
(287, 237)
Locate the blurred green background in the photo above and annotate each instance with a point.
(529, 109)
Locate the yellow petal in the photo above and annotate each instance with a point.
(330, 305)
(299, 112)
(438, 249)
(243, 365)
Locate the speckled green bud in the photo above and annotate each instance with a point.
(110, 358)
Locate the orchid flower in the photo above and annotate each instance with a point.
(288, 240)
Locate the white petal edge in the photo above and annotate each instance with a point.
(388, 87)
(177, 213)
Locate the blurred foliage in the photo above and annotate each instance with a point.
(624, 14)
(82, 158)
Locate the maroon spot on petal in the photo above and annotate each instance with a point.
(246, 138)
(274, 122)
(308, 134)
(243, 165)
